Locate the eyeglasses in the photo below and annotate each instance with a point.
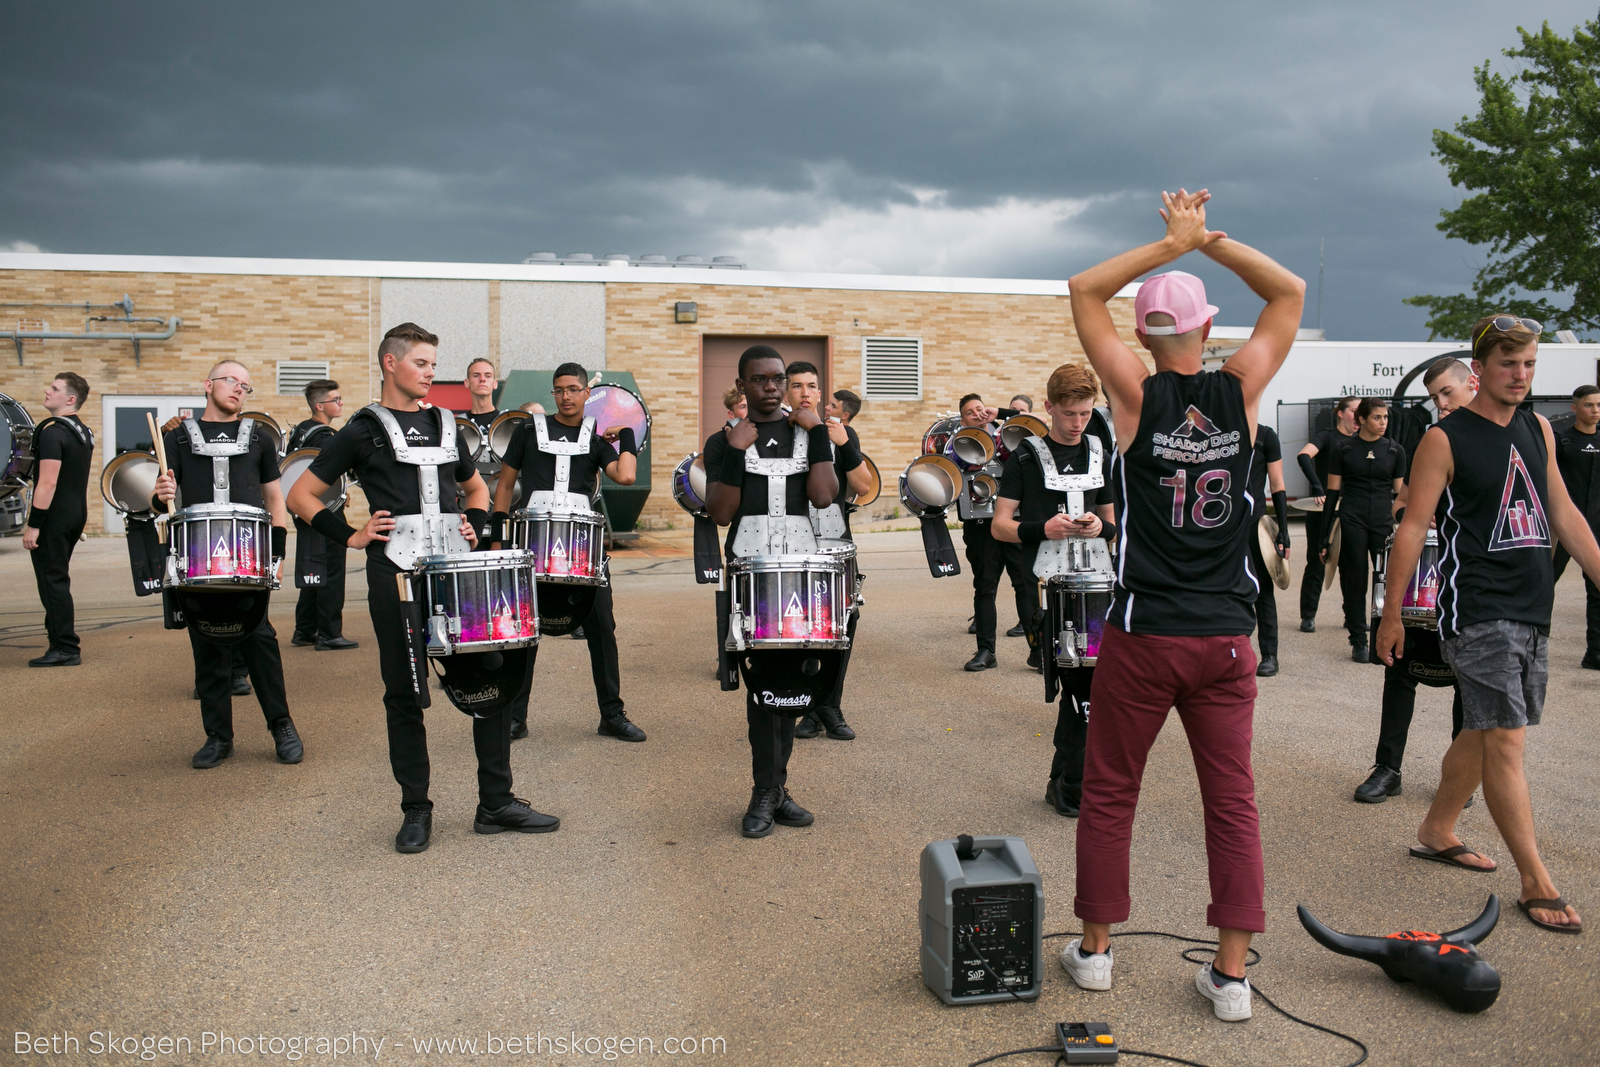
(331, 400)
(1505, 324)
(567, 390)
(761, 381)
(233, 383)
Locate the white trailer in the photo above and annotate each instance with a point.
(1322, 369)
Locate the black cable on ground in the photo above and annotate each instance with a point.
(1185, 954)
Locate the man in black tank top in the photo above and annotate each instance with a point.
(1183, 610)
(63, 449)
(1489, 475)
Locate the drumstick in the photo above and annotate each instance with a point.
(161, 458)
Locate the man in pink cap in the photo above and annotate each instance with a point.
(1183, 609)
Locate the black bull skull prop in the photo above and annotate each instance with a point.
(1448, 964)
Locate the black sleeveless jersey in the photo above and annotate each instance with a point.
(1494, 524)
(1184, 511)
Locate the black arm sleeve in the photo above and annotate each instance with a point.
(847, 457)
(1309, 467)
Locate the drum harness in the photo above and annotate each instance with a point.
(1071, 554)
(220, 452)
(828, 522)
(79, 430)
(431, 533)
(562, 496)
(777, 533)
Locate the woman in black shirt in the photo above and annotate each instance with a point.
(1364, 478)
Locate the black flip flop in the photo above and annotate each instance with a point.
(1448, 857)
(1558, 904)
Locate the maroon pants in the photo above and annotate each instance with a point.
(1137, 680)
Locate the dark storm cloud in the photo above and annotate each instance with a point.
(1020, 139)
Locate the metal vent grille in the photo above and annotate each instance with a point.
(294, 376)
(891, 367)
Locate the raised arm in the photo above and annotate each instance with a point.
(1122, 372)
(1285, 293)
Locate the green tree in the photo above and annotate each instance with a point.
(1532, 154)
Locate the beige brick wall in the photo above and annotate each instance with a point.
(255, 319)
(994, 345)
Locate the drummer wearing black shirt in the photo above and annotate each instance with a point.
(1266, 472)
(988, 557)
(408, 355)
(1577, 448)
(253, 482)
(762, 377)
(1313, 459)
(63, 449)
(319, 613)
(1027, 513)
(1365, 477)
(805, 390)
(613, 451)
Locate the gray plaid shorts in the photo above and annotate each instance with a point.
(1501, 669)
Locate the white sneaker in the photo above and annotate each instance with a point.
(1231, 1002)
(1093, 972)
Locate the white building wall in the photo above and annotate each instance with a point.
(458, 311)
(545, 324)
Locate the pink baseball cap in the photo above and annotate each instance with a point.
(1183, 296)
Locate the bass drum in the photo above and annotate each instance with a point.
(129, 481)
(267, 425)
(16, 446)
(295, 464)
(617, 405)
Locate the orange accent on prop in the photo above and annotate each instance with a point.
(1414, 935)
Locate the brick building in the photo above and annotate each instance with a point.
(911, 346)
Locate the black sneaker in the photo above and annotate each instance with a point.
(213, 752)
(1055, 797)
(832, 720)
(1380, 785)
(241, 687)
(788, 813)
(286, 739)
(300, 640)
(1308, 625)
(1360, 654)
(807, 727)
(1035, 659)
(1268, 667)
(981, 661)
(415, 832)
(517, 815)
(1018, 630)
(1590, 661)
(56, 657)
(519, 730)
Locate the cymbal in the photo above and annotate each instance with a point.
(1335, 535)
(1305, 503)
(1267, 539)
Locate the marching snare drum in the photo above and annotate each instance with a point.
(1419, 604)
(689, 484)
(16, 446)
(221, 546)
(479, 602)
(1076, 606)
(568, 544)
(296, 463)
(789, 602)
(844, 552)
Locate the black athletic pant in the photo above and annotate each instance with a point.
(51, 560)
(319, 613)
(1394, 724)
(213, 677)
(1316, 570)
(836, 697)
(986, 563)
(600, 631)
(1018, 560)
(1591, 646)
(1266, 601)
(771, 743)
(1072, 732)
(408, 737)
(1358, 551)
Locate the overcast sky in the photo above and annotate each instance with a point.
(1023, 139)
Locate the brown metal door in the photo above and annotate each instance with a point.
(719, 366)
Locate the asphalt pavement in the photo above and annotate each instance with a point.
(264, 904)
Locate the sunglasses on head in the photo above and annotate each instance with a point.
(1507, 323)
